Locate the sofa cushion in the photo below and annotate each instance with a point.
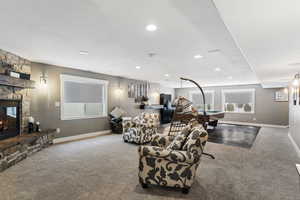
(117, 112)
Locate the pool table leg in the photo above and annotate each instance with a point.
(213, 123)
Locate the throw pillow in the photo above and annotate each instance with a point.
(179, 140)
(117, 112)
(192, 140)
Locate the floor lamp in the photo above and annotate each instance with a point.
(204, 112)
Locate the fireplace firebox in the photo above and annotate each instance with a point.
(10, 119)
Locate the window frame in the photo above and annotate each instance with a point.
(79, 79)
(252, 90)
(205, 91)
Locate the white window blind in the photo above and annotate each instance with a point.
(83, 97)
(239, 101)
(197, 99)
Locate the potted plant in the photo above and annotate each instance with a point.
(144, 101)
(247, 108)
(230, 107)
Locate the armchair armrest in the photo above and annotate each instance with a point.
(161, 140)
(126, 124)
(171, 155)
(203, 138)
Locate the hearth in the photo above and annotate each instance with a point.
(10, 119)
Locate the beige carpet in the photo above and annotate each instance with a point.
(106, 168)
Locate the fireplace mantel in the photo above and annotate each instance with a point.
(16, 82)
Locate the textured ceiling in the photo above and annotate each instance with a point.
(113, 32)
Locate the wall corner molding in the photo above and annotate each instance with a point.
(296, 147)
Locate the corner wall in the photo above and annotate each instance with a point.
(294, 121)
(43, 100)
(267, 111)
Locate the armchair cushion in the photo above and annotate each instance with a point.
(170, 155)
(161, 140)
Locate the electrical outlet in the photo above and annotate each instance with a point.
(57, 130)
(254, 119)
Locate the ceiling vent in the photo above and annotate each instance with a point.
(214, 50)
(151, 54)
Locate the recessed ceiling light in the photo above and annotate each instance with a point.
(217, 69)
(83, 52)
(151, 27)
(138, 67)
(167, 75)
(198, 56)
(230, 77)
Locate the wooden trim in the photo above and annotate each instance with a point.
(296, 147)
(16, 82)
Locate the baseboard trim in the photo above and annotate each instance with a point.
(80, 137)
(254, 124)
(296, 147)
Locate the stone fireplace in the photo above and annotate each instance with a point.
(18, 98)
(15, 143)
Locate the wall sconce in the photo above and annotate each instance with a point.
(295, 88)
(155, 94)
(43, 80)
(119, 91)
(296, 80)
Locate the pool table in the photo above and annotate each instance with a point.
(212, 116)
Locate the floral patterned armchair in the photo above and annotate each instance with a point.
(160, 164)
(140, 129)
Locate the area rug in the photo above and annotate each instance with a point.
(235, 135)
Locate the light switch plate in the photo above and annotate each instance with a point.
(57, 130)
(57, 103)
